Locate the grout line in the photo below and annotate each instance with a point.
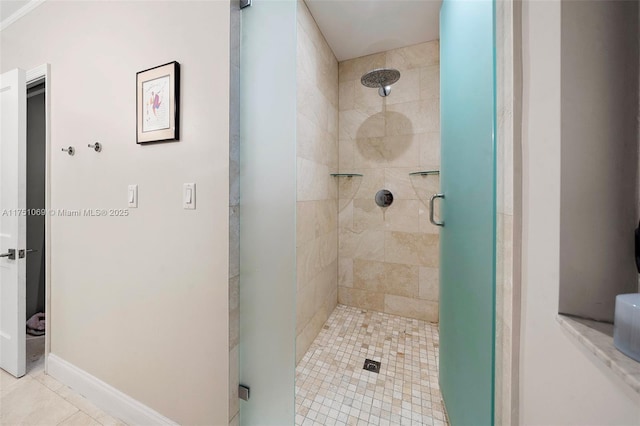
(67, 418)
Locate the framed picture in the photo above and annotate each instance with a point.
(158, 103)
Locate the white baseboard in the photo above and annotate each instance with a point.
(104, 396)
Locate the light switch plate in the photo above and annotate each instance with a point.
(189, 196)
(132, 196)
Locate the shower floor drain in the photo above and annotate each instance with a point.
(370, 365)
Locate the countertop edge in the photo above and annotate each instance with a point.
(601, 345)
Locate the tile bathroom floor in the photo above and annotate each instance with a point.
(39, 399)
(332, 388)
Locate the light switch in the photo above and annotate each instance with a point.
(132, 196)
(189, 196)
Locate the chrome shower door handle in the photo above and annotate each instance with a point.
(431, 212)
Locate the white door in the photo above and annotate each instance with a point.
(13, 224)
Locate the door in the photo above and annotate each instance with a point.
(467, 281)
(268, 211)
(13, 199)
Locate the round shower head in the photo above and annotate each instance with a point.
(382, 78)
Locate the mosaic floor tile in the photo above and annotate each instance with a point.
(332, 388)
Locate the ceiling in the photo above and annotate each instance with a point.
(9, 7)
(355, 28)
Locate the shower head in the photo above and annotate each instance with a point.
(382, 78)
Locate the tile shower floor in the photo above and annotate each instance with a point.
(332, 388)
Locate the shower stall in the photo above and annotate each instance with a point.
(350, 267)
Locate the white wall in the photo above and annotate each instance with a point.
(599, 160)
(139, 302)
(561, 384)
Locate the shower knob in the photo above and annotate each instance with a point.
(384, 198)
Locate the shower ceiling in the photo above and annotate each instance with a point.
(355, 28)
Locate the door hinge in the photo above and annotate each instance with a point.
(245, 3)
(243, 392)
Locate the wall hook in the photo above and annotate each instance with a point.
(97, 147)
(69, 150)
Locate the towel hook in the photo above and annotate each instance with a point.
(97, 147)
(69, 150)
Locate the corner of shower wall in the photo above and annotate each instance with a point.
(508, 209)
(234, 212)
(317, 193)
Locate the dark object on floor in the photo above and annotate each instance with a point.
(36, 325)
(373, 366)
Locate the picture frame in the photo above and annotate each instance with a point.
(158, 104)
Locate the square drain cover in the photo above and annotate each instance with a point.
(370, 365)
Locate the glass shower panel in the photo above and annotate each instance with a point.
(268, 211)
(467, 289)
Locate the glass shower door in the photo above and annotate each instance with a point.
(467, 240)
(268, 211)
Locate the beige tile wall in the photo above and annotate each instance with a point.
(389, 257)
(508, 232)
(317, 205)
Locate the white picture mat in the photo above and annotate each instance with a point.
(155, 104)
